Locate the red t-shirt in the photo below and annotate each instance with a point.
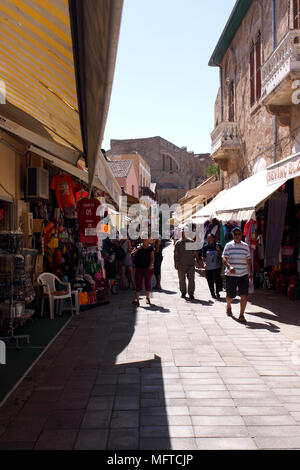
(88, 220)
(80, 195)
(65, 189)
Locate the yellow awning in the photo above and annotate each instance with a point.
(57, 62)
(37, 66)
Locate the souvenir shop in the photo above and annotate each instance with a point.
(51, 251)
(68, 238)
(270, 222)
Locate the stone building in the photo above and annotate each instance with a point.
(257, 113)
(173, 169)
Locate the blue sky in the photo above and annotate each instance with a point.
(162, 83)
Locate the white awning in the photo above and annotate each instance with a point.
(208, 212)
(239, 202)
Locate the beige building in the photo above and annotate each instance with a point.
(174, 170)
(257, 113)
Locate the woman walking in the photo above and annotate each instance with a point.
(143, 258)
(212, 260)
(127, 264)
(158, 258)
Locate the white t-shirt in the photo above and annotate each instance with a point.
(237, 255)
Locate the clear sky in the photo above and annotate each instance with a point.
(162, 83)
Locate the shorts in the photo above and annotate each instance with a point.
(232, 282)
(157, 264)
(127, 261)
(142, 274)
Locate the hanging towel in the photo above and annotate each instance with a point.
(275, 224)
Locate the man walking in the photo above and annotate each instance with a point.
(238, 271)
(184, 260)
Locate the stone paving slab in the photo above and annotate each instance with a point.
(177, 375)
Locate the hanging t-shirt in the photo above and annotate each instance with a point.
(88, 220)
(65, 189)
(80, 195)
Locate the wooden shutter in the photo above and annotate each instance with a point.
(296, 13)
(231, 102)
(252, 77)
(258, 67)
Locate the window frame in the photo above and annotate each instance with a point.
(296, 14)
(255, 66)
(231, 101)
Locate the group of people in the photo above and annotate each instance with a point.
(235, 257)
(137, 262)
(134, 262)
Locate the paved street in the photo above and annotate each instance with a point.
(174, 375)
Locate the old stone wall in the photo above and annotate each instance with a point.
(255, 124)
(174, 169)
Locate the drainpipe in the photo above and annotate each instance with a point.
(275, 131)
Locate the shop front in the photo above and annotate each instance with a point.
(267, 208)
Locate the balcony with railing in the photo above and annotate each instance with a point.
(279, 72)
(146, 191)
(226, 144)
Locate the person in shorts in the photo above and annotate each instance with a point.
(143, 258)
(238, 271)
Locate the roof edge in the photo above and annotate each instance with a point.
(238, 13)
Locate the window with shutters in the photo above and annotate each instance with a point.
(231, 102)
(258, 66)
(296, 14)
(252, 77)
(255, 71)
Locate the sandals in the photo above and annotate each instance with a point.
(242, 319)
(136, 303)
(148, 301)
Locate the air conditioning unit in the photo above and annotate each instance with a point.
(37, 183)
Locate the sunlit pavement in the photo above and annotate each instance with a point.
(175, 375)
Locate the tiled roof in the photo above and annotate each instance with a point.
(120, 168)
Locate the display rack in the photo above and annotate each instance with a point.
(14, 288)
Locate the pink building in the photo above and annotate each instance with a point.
(125, 173)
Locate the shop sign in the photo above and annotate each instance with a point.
(283, 171)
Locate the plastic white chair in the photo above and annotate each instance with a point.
(47, 280)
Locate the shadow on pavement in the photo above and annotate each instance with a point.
(280, 307)
(209, 303)
(259, 326)
(89, 391)
(155, 308)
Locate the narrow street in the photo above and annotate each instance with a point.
(174, 375)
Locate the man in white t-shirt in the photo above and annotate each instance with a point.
(238, 271)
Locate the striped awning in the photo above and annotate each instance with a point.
(37, 66)
(57, 61)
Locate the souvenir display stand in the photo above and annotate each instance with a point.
(16, 290)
